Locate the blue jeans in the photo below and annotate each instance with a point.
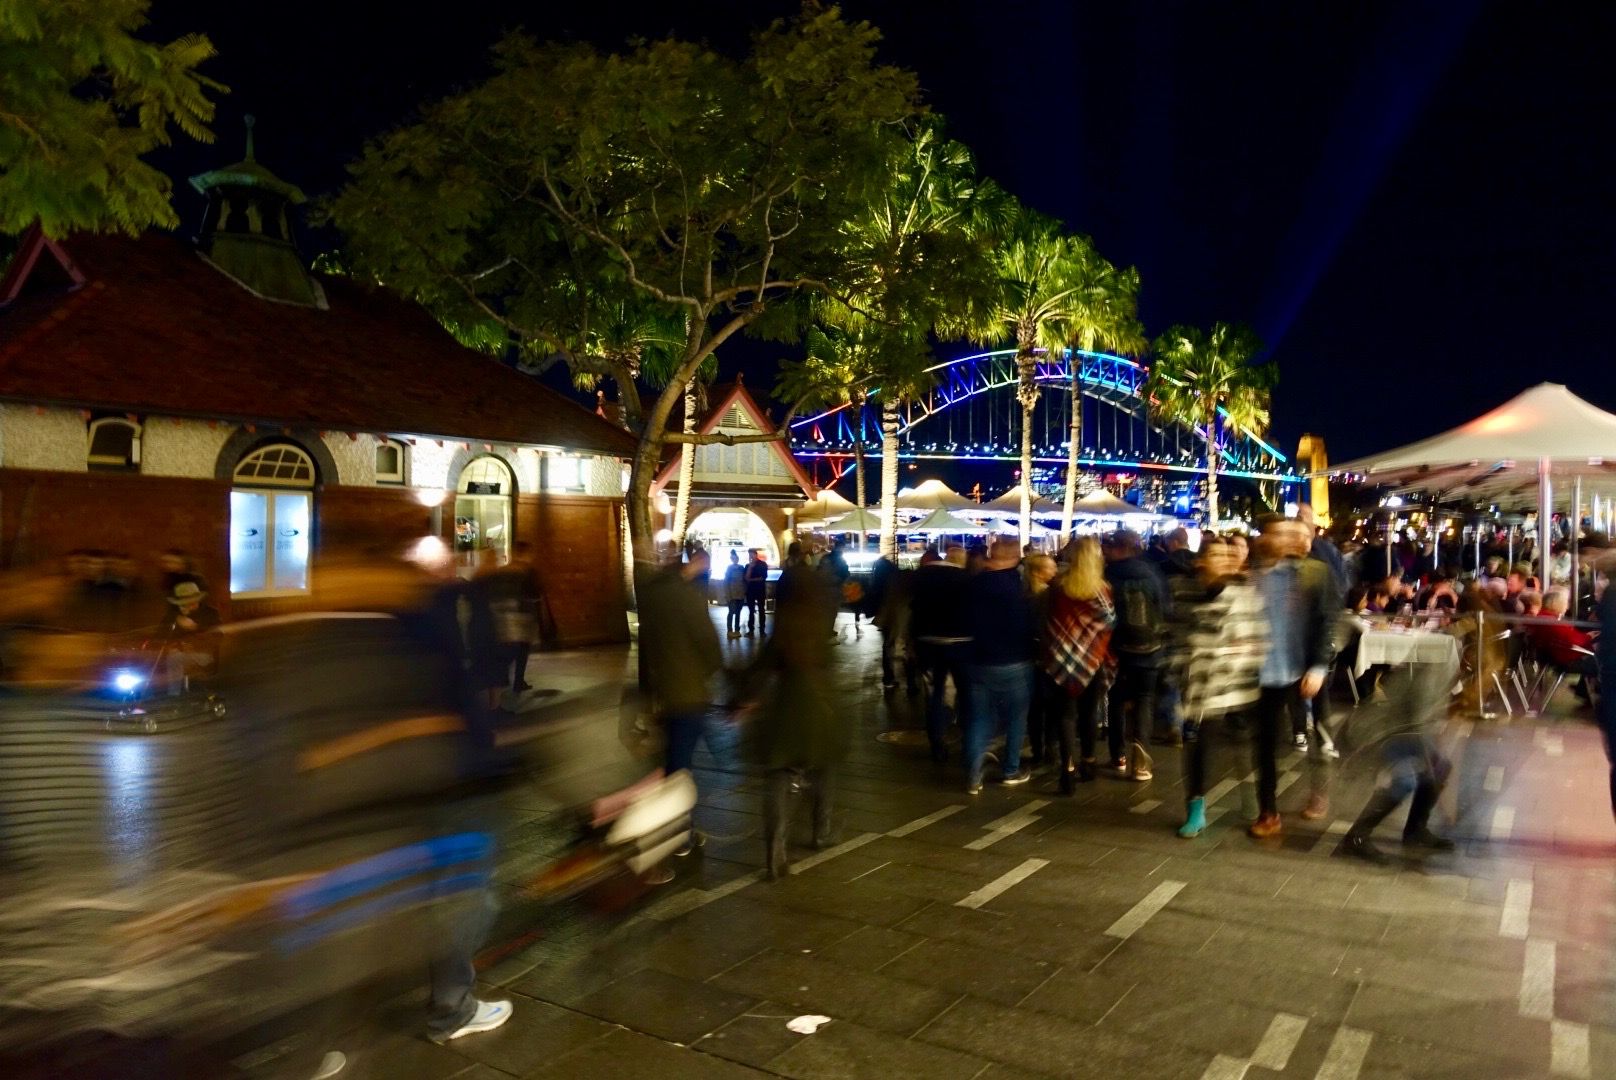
(682, 729)
(452, 1003)
(1001, 694)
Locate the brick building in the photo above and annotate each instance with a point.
(220, 398)
(741, 496)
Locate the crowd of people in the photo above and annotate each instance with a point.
(1091, 663)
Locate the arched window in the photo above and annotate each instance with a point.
(271, 521)
(390, 462)
(113, 443)
(276, 465)
(483, 510)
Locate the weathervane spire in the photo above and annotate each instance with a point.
(248, 121)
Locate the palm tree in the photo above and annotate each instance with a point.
(1207, 382)
(919, 253)
(837, 372)
(1041, 282)
(628, 342)
(1104, 314)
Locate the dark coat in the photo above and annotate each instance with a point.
(803, 724)
(679, 641)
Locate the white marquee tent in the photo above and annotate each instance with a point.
(932, 495)
(1514, 455)
(941, 521)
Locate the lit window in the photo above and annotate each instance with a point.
(390, 462)
(270, 530)
(563, 473)
(114, 443)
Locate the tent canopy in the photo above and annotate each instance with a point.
(932, 495)
(857, 521)
(941, 521)
(1101, 503)
(1009, 505)
(1496, 455)
(826, 504)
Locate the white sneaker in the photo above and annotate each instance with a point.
(330, 1065)
(489, 1015)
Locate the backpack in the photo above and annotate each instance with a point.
(1140, 626)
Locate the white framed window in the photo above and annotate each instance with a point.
(113, 442)
(390, 462)
(272, 522)
(563, 472)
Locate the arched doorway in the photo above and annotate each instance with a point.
(271, 519)
(733, 528)
(482, 510)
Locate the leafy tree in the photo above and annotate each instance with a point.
(709, 187)
(1041, 282)
(1206, 381)
(1103, 315)
(82, 101)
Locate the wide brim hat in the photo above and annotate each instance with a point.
(185, 592)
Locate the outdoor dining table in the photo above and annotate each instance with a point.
(1404, 645)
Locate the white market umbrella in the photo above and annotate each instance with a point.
(1540, 437)
(857, 521)
(932, 495)
(1037, 532)
(1009, 505)
(941, 521)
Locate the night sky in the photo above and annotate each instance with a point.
(1411, 203)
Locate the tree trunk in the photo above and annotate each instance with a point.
(687, 468)
(1027, 395)
(1212, 470)
(1075, 438)
(858, 484)
(889, 477)
(1026, 473)
(628, 393)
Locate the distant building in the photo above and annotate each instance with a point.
(220, 398)
(742, 496)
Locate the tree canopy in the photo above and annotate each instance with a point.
(82, 101)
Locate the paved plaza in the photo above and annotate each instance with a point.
(1019, 934)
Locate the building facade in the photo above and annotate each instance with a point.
(219, 398)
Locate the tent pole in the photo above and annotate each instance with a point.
(1545, 518)
(1576, 546)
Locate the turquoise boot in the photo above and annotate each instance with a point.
(1195, 821)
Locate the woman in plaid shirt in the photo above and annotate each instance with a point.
(1074, 656)
(1225, 637)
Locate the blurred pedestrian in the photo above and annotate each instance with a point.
(1143, 607)
(757, 593)
(941, 625)
(801, 731)
(1299, 600)
(734, 593)
(1074, 659)
(1000, 614)
(682, 654)
(1226, 641)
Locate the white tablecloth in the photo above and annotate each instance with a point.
(1404, 647)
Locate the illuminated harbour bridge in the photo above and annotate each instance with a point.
(970, 414)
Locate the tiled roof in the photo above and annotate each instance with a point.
(157, 330)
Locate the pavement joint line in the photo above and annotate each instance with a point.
(1015, 816)
(982, 843)
(1279, 1041)
(868, 872)
(1144, 806)
(830, 853)
(1569, 1050)
(1224, 1067)
(1144, 910)
(930, 819)
(1516, 917)
(1495, 779)
(1004, 881)
(1345, 1058)
(1503, 823)
(1286, 780)
(1331, 836)
(1537, 980)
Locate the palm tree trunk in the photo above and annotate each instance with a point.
(1212, 469)
(889, 477)
(687, 468)
(1027, 395)
(858, 484)
(1026, 473)
(1074, 437)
